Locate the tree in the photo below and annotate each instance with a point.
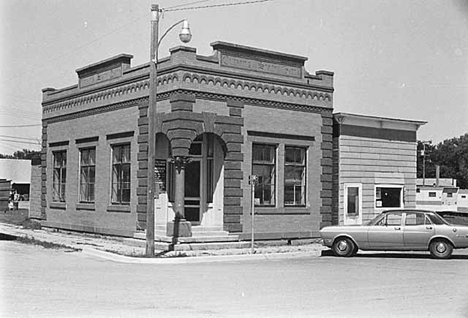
(22, 154)
(452, 157)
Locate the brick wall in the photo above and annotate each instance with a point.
(35, 192)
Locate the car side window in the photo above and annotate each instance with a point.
(393, 219)
(390, 219)
(427, 220)
(414, 219)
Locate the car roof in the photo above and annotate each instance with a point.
(409, 210)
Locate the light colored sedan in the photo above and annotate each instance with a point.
(398, 230)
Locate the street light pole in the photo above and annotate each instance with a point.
(153, 190)
(152, 130)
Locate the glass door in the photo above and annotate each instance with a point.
(192, 191)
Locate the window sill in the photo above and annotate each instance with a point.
(85, 206)
(282, 211)
(119, 208)
(58, 205)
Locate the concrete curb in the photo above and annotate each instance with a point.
(119, 252)
(197, 259)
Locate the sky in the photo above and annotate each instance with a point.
(404, 59)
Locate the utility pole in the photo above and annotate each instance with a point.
(152, 130)
(153, 190)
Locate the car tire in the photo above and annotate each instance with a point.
(441, 249)
(344, 247)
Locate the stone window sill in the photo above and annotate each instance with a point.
(58, 205)
(86, 206)
(119, 208)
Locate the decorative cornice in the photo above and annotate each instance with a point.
(107, 94)
(262, 102)
(95, 111)
(172, 78)
(257, 87)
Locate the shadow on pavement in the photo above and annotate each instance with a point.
(408, 255)
(6, 237)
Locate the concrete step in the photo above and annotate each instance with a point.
(188, 245)
(196, 238)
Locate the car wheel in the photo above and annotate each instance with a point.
(344, 247)
(441, 249)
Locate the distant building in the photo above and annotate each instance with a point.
(441, 194)
(18, 172)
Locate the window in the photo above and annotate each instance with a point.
(432, 194)
(416, 219)
(121, 174)
(87, 174)
(294, 176)
(263, 165)
(60, 175)
(449, 195)
(353, 200)
(390, 219)
(388, 196)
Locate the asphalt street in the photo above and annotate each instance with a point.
(38, 282)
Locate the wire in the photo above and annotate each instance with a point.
(33, 68)
(21, 142)
(14, 126)
(187, 4)
(217, 5)
(15, 137)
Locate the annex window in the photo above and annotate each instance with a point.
(87, 174)
(264, 166)
(432, 194)
(60, 175)
(388, 196)
(353, 199)
(294, 176)
(121, 174)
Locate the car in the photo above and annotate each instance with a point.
(398, 230)
(454, 217)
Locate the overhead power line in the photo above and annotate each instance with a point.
(21, 142)
(14, 126)
(16, 137)
(187, 4)
(215, 5)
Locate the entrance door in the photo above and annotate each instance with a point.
(192, 191)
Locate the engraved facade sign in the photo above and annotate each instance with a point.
(101, 77)
(260, 66)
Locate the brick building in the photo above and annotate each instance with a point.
(219, 119)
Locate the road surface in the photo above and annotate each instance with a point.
(38, 282)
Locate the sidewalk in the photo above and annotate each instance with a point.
(116, 249)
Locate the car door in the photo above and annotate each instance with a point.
(417, 231)
(387, 233)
